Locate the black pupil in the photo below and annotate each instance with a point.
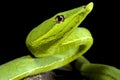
(60, 18)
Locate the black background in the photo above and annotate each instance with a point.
(18, 18)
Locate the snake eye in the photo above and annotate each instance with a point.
(59, 18)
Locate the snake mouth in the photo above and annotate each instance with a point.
(85, 10)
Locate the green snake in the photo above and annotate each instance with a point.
(54, 43)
